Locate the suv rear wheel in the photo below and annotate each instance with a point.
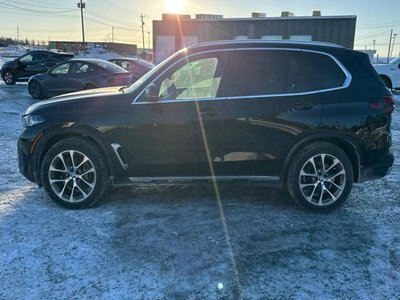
(320, 177)
(74, 173)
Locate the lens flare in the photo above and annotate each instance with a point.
(174, 6)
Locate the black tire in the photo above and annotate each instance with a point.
(320, 191)
(8, 78)
(35, 90)
(80, 186)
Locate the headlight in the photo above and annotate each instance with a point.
(32, 120)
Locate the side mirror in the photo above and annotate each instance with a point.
(16, 60)
(399, 66)
(151, 93)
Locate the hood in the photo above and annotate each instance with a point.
(86, 95)
(8, 64)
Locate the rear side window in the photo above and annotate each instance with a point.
(274, 72)
(110, 67)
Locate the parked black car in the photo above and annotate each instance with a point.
(76, 75)
(311, 117)
(135, 66)
(34, 62)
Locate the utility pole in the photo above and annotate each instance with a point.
(141, 18)
(373, 43)
(112, 35)
(394, 39)
(390, 44)
(17, 33)
(148, 40)
(82, 5)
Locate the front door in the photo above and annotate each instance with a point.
(181, 133)
(59, 79)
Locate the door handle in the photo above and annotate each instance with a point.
(303, 106)
(208, 112)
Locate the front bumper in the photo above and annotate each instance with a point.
(25, 160)
(380, 167)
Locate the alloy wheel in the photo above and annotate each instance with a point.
(322, 179)
(72, 176)
(8, 78)
(34, 90)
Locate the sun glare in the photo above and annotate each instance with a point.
(174, 6)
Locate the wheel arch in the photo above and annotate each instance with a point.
(56, 135)
(346, 143)
(44, 95)
(389, 80)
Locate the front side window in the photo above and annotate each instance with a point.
(195, 79)
(26, 59)
(61, 69)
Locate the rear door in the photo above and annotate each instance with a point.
(272, 103)
(79, 75)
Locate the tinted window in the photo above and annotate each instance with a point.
(39, 56)
(113, 68)
(195, 79)
(61, 69)
(275, 72)
(324, 70)
(81, 67)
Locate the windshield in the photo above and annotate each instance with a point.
(395, 60)
(153, 71)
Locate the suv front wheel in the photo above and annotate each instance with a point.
(74, 173)
(320, 177)
(8, 78)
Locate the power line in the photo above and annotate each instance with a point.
(371, 36)
(108, 19)
(110, 25)
(9, 6)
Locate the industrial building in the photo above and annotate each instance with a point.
(75, 47)
(175, 32)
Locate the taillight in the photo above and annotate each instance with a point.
(387, 104)
(390, 106)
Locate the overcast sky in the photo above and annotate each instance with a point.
(60, 19)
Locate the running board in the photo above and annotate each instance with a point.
(190, 179)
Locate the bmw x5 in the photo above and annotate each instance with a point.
(310, 117)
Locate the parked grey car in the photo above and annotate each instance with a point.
(76, 75)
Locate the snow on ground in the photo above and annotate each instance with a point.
(168, 242)
(99, 53)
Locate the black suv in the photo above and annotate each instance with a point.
(311, 117)
(34, 62)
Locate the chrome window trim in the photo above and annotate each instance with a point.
(171, 66)
(345, 84)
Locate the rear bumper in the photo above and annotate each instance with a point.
(380, 167)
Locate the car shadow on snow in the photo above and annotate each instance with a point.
(178, 232)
